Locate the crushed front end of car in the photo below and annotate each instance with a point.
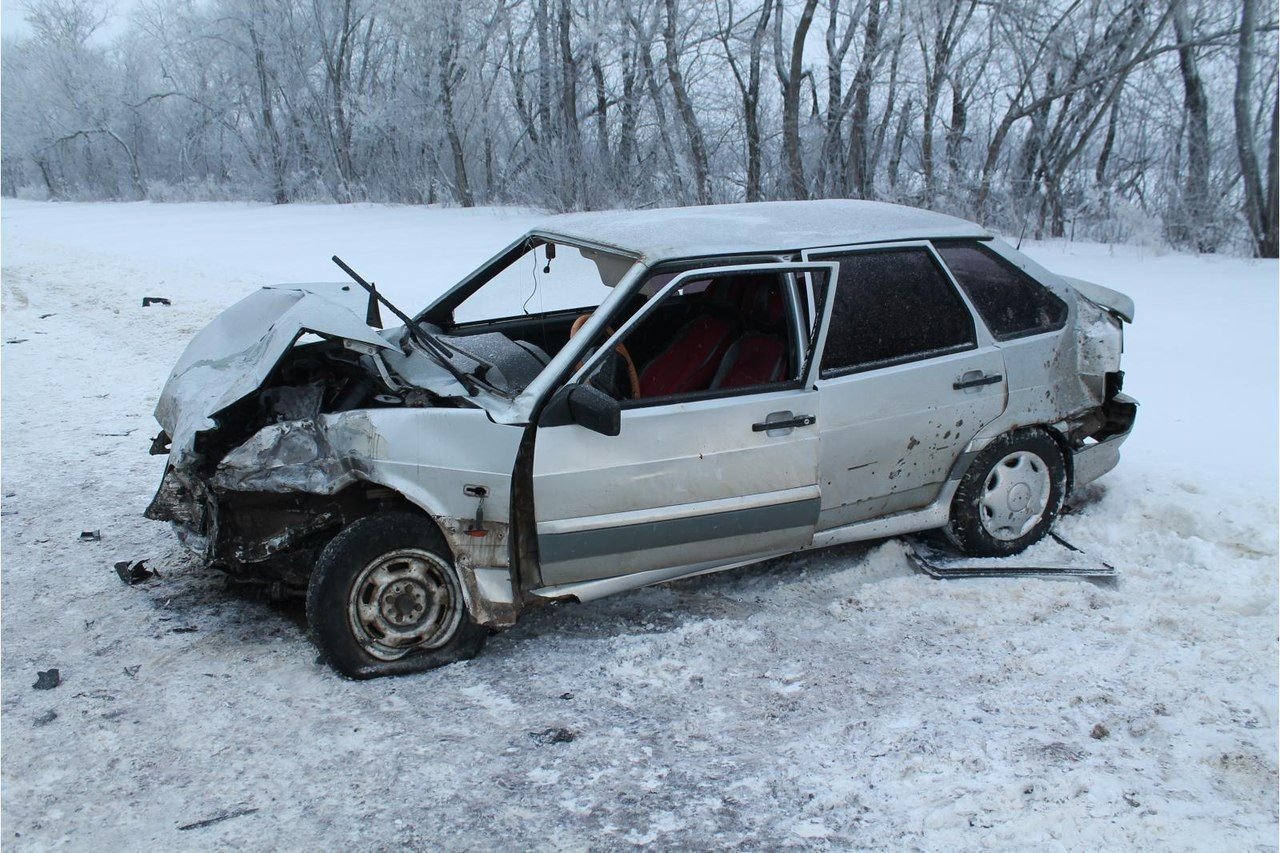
(277, 418)
(261, 518)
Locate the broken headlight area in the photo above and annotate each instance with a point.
(266, 489)
(190, 506)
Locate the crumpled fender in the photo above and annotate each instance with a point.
(1112, 300)
(437, 459)
(295, 456)
(432, 456)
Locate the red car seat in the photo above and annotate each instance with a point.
(759, 355)
(691, 360)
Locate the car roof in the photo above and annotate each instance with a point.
(761, 227)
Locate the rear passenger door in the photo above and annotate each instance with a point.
(1026, 319)
(906, 379)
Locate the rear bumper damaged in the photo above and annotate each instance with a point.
(1101, 452)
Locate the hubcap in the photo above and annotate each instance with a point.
(404, 600)
(1015, 495)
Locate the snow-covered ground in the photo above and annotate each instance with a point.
(833, 699)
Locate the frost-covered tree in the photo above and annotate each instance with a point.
(1112, 119)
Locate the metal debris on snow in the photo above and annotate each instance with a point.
(134, 571)
(47, 679)
(553, 735)
(209, 821)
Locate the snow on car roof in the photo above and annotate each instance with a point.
(773, 226)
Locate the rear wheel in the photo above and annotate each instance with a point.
(1010, 496)
(385, 599)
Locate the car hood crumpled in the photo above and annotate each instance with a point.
(232, 356)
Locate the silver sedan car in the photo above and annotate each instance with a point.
(623, 398)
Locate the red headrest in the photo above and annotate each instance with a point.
(763, 304)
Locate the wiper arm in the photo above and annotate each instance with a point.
(421, 336)
(428, 342)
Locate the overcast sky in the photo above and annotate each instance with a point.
(13, 18)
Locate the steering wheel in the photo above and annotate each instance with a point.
(633, 376)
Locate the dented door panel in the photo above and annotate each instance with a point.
(890, 436)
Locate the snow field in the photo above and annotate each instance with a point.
(832, 699)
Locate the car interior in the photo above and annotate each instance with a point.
(708, 335)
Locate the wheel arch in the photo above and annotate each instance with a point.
(968, 528)
(1068, 458)
(979, 443)
(460, 479)
(480, 560)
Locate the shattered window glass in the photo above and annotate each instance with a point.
(892, 305)
(1011, 303)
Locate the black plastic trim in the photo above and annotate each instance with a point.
(603, 541)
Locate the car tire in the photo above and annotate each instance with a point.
(385, 599)
(1009, 496)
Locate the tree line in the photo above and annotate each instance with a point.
(1105, 119)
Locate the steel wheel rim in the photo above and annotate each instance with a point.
(1015, 495)
(404, 600)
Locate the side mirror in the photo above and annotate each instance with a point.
(597, 411)
(586, 406)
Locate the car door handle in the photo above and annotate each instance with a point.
(976, 379)
(789, 423)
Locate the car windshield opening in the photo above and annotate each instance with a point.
(545, 279)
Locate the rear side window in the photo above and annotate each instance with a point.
(1011, 302)
(891, 306)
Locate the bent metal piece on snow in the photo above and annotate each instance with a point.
(628, 397)
(1052, 557)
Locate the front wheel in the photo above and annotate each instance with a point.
(1010, 496)
(385, 599)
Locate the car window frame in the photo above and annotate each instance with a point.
(439, 311)
(809, 364)
(990, 250)
(982, 336)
